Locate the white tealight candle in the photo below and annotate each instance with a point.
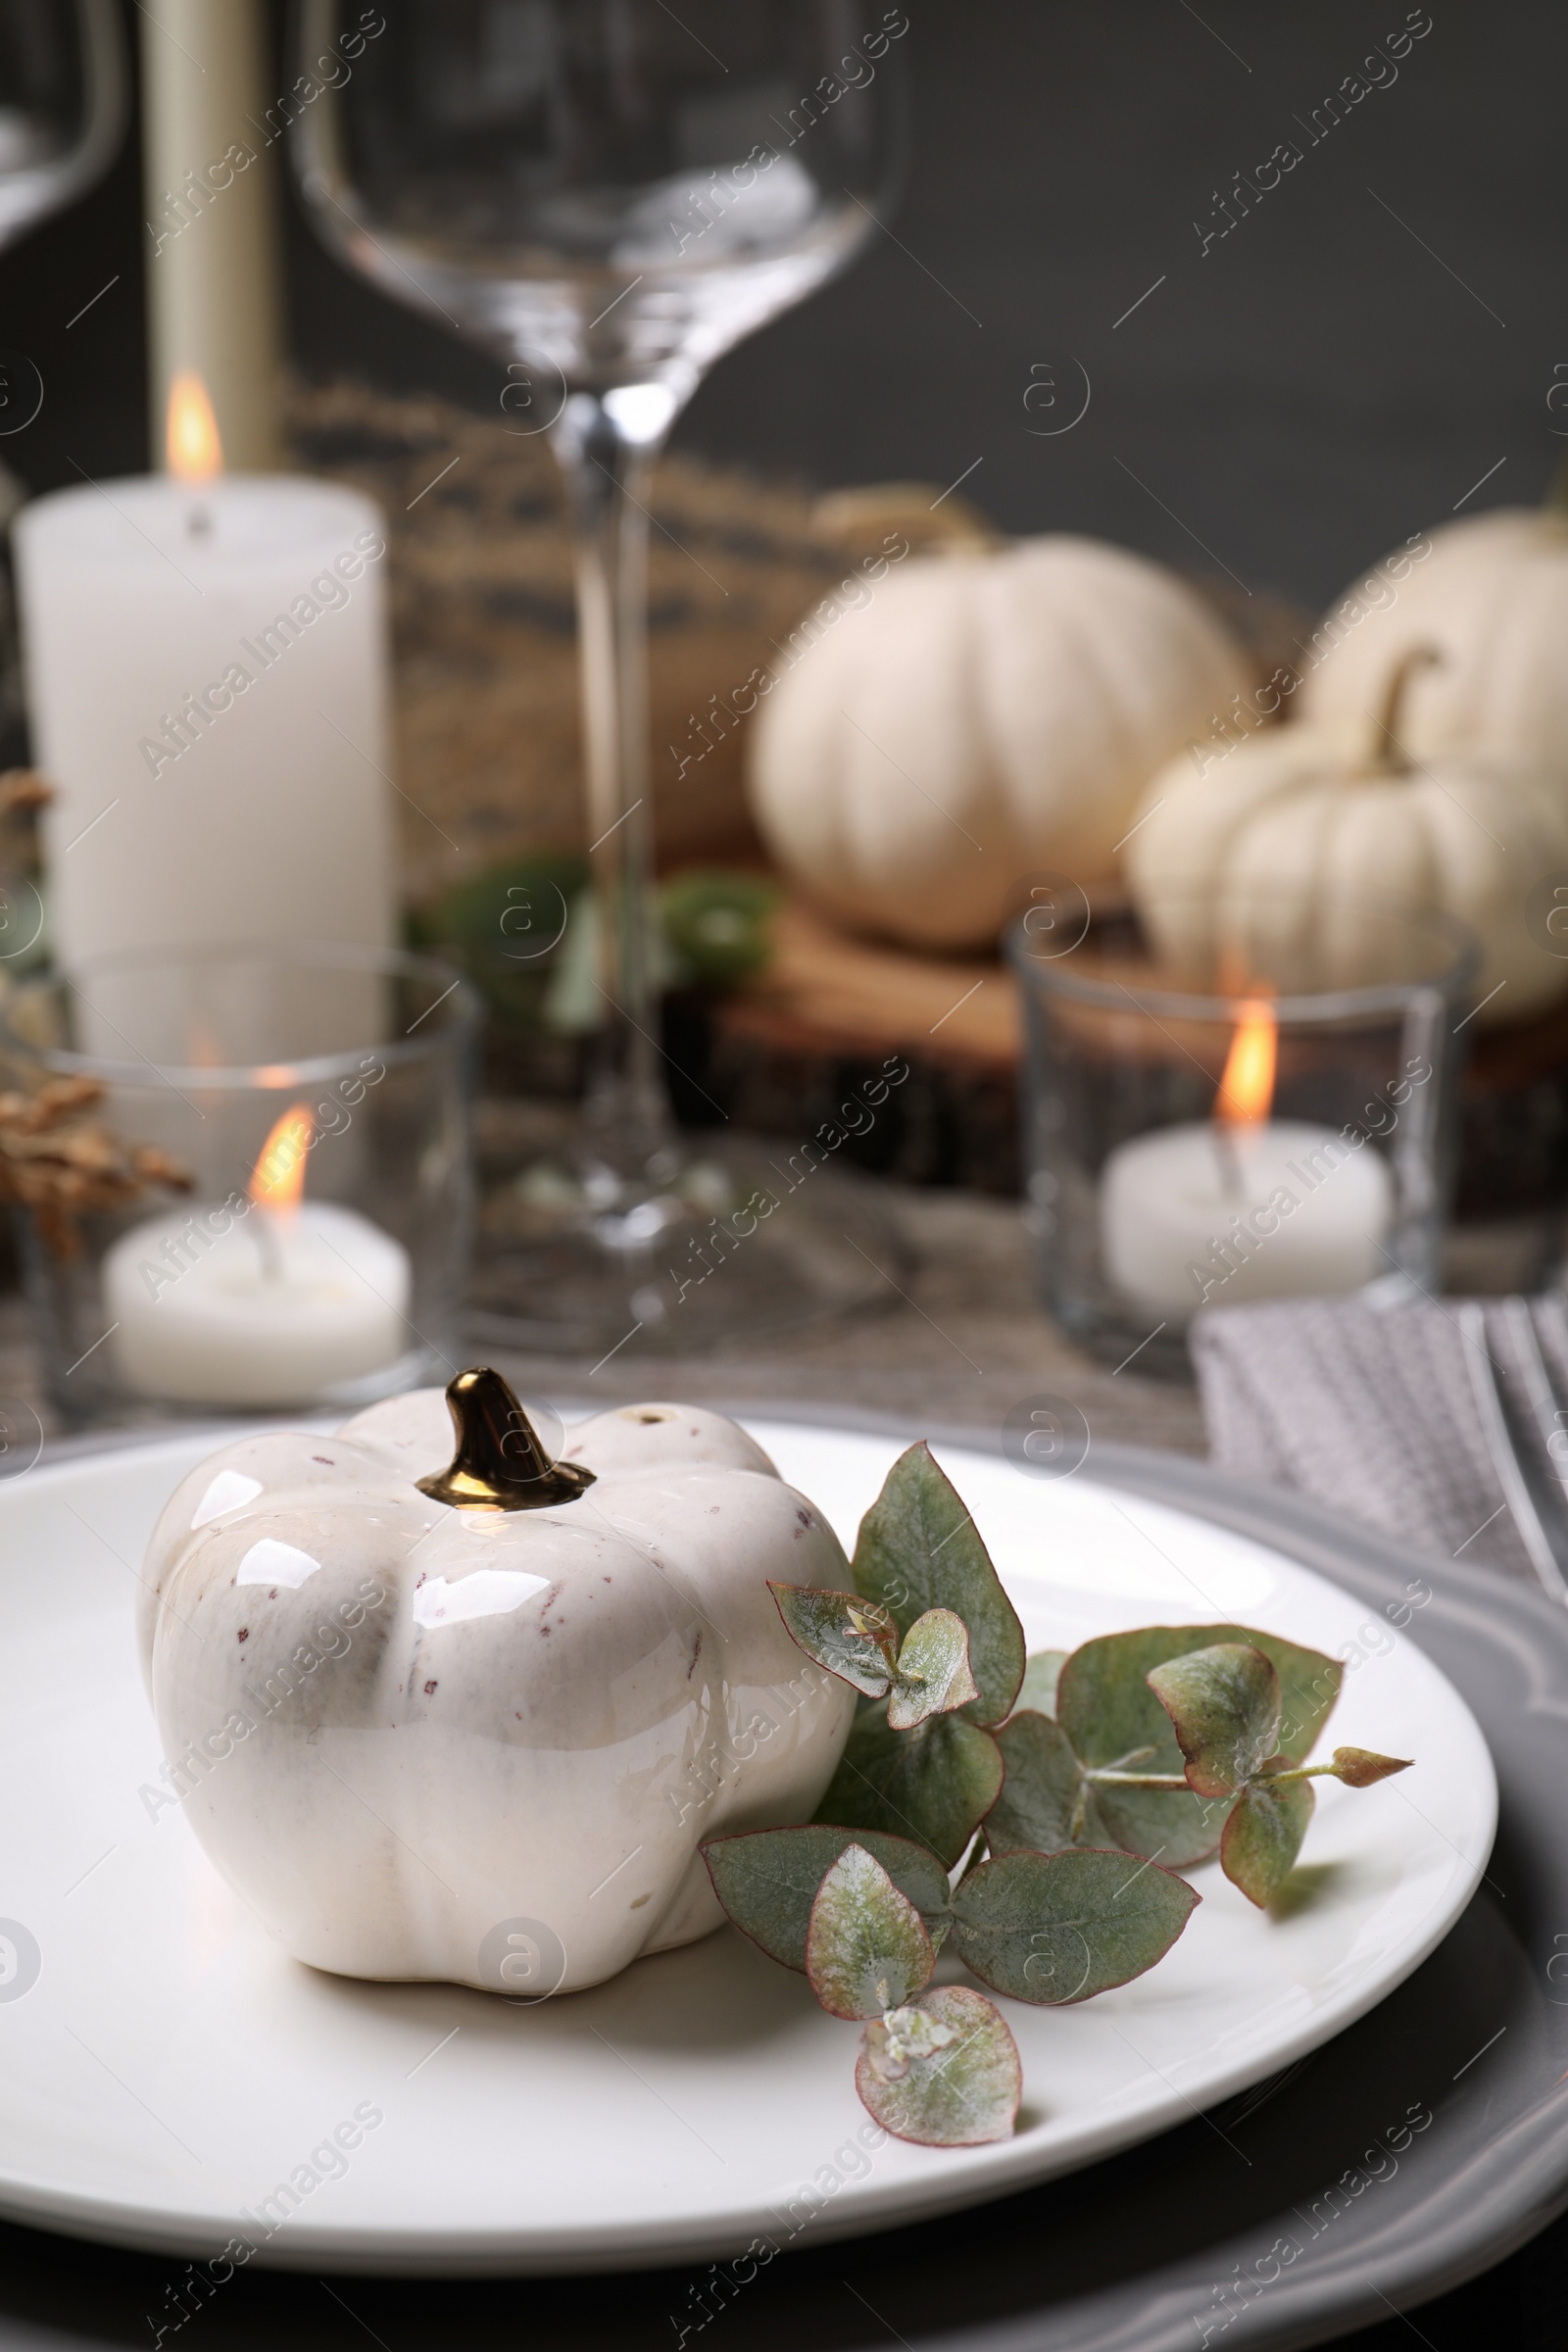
(207, 683)
(1243, 1205)
(214, 1308)
(1191, 1215)
(266, 1300)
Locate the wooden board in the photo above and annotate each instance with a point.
(853, 995)
(781, 1054)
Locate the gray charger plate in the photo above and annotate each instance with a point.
(1293, 2212)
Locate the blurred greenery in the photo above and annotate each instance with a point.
(523, 932)
(717, 924)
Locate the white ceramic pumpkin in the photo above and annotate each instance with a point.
(1283, 847)
(433, 1732)
(978, 720)
(1492, 597)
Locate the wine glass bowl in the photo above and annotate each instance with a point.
(63, 105)
(589, 185)
(608, 195)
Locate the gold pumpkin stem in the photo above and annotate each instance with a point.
(1386, 755)
(499, 1464)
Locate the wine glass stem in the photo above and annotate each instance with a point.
(629, 1122)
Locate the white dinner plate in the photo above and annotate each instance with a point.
(165, 2068)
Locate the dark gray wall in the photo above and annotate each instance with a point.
(1318, 383)
(1376, 334)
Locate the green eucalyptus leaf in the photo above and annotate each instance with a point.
(946, 2074)
(1113, 1721)
(866, 1948)
(1044, 1792)
(1263, 1836)
(1060, 1928)
(918, 1550)
(767, 1881)
(851, 1638)
(1309, 1686)
(1224, 1706)
(934, 1783)
(1040, 1674)
(1360, 1767)
(933, 1671)
(1109, 1714)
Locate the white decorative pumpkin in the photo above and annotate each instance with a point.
(431, 1731)
(1281, 848)
(977, 719)
(1491, 598)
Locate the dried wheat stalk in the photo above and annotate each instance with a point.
(61, 1166)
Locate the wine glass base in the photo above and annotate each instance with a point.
(741, 1248)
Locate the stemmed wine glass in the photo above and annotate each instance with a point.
(62, 95)
(608, 194)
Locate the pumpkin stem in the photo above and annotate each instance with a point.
(1385, 756)
(499, 1464)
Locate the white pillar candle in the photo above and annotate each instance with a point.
(1190, 1216)
(213, 1307)
(209, 125)
(207, 683)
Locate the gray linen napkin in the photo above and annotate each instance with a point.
(1375, 1411)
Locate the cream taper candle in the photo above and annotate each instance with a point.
(210, 167)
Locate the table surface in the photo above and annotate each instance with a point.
(963, 1341)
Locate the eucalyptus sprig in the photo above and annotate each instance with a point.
(865, 1915)
(917, 1552)
(1177, 1741)
(1024, 1813)
(1225, 1705)
(945, 2073)
(857, 1639)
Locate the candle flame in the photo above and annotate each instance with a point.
(195, 452)
(1246, 1089)
(279, 1178)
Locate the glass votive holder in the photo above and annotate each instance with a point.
(1203, 1126)
(245, 1175)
